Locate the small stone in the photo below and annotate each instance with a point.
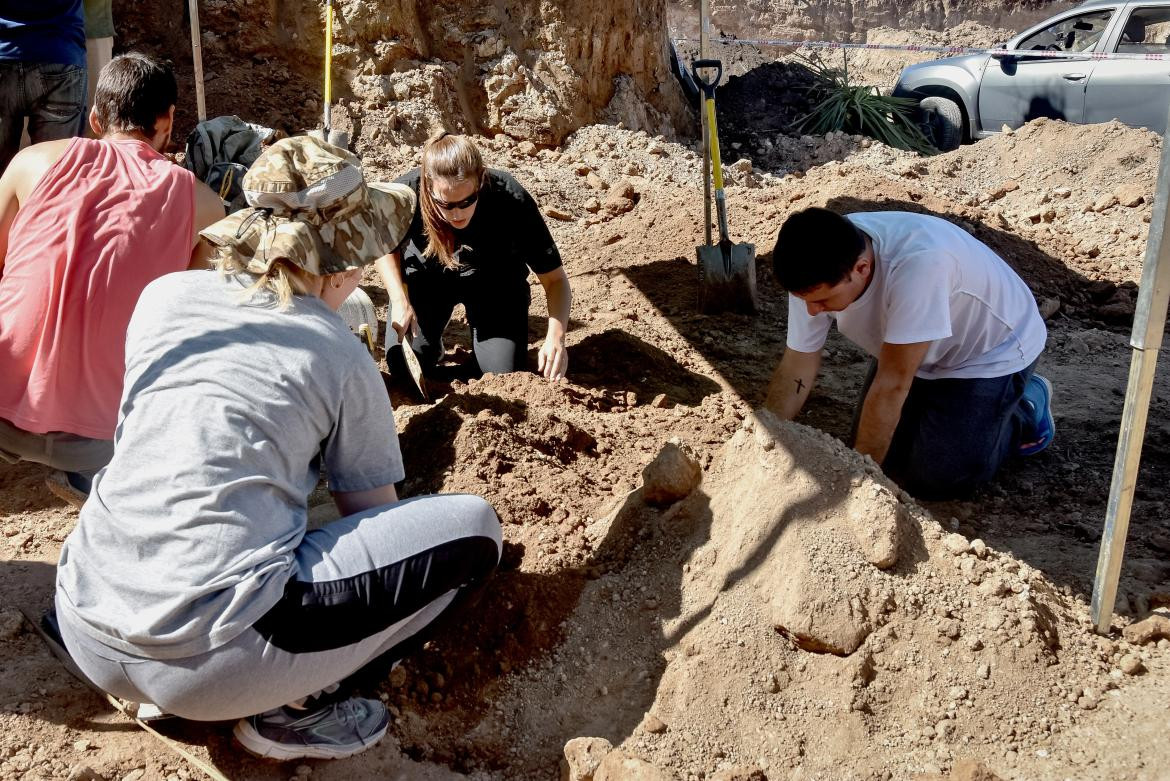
(994, 620)
(957, 693)
(526, 148)
(595, 182)
(1049, 307)
(1148, 630)
(11, 624)
(303, 771)
(957, 544)
(1131, 194)
(135, 774)
(979, 548)
(983, 671)
(592, 205)
(558, 214)
(84, 773)
(1104, 202)
(584, 755)
(1130, 664)
(397, 677)
(81, 745)
(1009, 186)
(653, 724)
(661, 401)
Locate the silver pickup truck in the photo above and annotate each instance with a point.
(972, 96)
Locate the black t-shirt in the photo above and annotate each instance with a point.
(506, 236)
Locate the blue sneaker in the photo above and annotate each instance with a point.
(1040, 428)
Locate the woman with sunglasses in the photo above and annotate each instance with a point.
(476, 234)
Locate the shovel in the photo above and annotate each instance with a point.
(727, 272)
(328, 134)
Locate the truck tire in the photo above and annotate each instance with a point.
(942, 120)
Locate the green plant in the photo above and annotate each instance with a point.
(860, 109)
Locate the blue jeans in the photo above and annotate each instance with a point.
(52, 98)
(954, 433)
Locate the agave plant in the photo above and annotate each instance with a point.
(860, 109)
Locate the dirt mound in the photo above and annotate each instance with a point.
(794, 608)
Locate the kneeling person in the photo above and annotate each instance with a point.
(192, 580)
(954, 330)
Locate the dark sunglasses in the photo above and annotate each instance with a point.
(450, 206)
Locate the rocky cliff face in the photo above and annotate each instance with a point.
(848, 20)
(532, 71)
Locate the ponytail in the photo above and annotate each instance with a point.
(445, 156)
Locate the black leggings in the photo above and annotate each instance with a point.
(497, 314)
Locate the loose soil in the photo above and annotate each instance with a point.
(796, 616)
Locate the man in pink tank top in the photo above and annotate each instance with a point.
(85, 225)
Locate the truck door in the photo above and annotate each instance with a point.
(1017, 88)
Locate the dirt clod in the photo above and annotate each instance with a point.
(671, 476)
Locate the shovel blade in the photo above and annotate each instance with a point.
(414, 367)
(727, 278)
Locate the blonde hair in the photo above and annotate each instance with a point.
(445, 156)
(283, 279)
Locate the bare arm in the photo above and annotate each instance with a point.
(792, 382)
(882, 407)
(352, 502)
(401, 312)
(20, 178)
(208, 209)
(9, 205)
(553, 360)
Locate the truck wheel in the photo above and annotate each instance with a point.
(943, 122)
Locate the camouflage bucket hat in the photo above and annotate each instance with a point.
(310, 205)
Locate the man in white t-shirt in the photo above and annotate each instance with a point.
(954, 330)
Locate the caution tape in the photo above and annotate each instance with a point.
(951, 50)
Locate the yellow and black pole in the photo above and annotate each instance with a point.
(328, 66)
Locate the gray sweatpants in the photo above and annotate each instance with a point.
(364, 586)
(56, 449)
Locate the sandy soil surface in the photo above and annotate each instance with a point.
(792, 615)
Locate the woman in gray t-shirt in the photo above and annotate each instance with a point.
(191, 580)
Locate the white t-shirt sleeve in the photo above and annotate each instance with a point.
(918, 300)
(806, 333)
(362, 452)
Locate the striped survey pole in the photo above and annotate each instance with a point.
(1149, 325)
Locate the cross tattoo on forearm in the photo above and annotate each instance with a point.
(799, 385)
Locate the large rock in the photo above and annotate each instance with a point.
(671, 476)
(583, 756)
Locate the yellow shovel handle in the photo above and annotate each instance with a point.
(714, 134)
(328, 53)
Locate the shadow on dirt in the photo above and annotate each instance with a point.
(22, 488)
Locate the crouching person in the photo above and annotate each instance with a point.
(191, 580)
